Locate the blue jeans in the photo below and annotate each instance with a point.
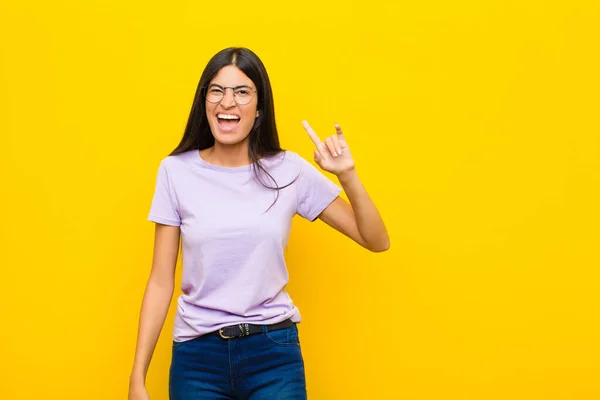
(265, 366)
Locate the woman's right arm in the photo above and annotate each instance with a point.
(155, 304)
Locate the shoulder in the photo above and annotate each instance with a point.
(176, 161)
(173, 168)
(287, 165)
(285, 159)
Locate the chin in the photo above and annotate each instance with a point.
(229, 139)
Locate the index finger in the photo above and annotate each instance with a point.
(313, 135)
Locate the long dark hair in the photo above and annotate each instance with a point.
(263, 138)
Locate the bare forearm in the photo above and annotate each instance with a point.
(368, 220)
(155, 307)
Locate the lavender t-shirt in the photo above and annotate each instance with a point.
(234, 269)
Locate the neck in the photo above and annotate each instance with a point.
(229, 156)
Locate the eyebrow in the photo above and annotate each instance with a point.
(234, 87)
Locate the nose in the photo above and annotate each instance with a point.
(228, 100)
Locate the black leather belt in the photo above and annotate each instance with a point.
(241, 330)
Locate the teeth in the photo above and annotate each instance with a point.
(226, 116)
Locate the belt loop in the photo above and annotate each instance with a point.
(264, 328)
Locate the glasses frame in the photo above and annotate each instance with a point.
(233, 88)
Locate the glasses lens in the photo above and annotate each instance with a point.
(214, 94)
(244, 95)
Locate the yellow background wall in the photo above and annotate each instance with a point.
(475, 128)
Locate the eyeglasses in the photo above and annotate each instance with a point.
(242, 94)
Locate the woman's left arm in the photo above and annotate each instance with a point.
(359, 220)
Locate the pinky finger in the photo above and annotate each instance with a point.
(336, 143)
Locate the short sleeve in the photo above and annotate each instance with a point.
(314, 191)
(164, 208)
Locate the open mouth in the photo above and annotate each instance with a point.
(227, 122)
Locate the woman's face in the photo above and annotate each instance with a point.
(229, 121)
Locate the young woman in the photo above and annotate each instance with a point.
(229, 192)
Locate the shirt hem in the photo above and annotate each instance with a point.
(334, 195)
(164, 221)
(294, 315)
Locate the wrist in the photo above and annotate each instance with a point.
(347, 176)
(137, 378)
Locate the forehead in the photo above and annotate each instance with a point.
(230, 75)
